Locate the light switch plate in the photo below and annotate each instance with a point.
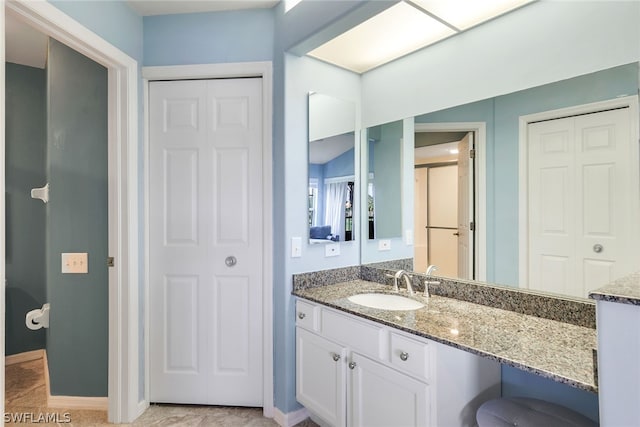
(75, 263)
(408, 237)
(384, 245)
(296, 247)
(332, 249)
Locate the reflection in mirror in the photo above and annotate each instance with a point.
(554, 217)
(384, 172)
(443, 204)
(331, 169)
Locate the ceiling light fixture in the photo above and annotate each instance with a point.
(406, 27)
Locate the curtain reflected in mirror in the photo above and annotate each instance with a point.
(331, 169)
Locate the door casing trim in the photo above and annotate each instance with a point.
(214, 71)
(523, 170)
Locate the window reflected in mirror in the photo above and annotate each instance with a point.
(331, 169)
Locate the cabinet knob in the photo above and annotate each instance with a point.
(336, 357)
(301, 315)
(352, 365)
(404, 356)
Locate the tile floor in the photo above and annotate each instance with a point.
(26, 393)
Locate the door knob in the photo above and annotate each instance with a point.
(352, 365)
(336, 357)
(230, 261)
(597, 248)
(404, 356)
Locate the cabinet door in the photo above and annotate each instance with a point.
(320, 377)
(381, 396)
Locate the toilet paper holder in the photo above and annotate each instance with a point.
(38, 318)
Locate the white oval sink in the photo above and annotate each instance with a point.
(385, 301)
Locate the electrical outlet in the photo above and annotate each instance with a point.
(384, 245)
(331, 249)
(75, 263)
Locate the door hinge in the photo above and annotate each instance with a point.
(472, 226)
(111, 262)
(472, 153)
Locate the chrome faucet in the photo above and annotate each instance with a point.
(428, 281)
(407, 280)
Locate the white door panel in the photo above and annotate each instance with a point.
(205, 242)
(581, 211)
(465, 208)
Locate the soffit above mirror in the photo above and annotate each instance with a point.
(405, 27)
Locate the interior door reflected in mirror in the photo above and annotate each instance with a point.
(384, 172)
(332, 123)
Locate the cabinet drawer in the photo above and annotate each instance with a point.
(307, 315)
(355, 334)
(410, 355)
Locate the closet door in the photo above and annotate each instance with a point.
(205, 233)
(582, 213)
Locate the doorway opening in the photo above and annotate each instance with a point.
(443, 216)
(124, 400)
(449, 199)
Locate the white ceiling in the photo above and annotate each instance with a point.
(171, 7)
(23, 44)
(324, 150)
(434, 151)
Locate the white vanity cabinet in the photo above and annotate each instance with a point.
(355, 372)
(381, 396)
(321, 377)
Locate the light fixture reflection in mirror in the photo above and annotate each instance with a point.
(331, 169)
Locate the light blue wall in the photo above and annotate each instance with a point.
(343, 165)
(235, 36)
(114, 21)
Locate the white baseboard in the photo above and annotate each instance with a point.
(290, 419)
(27, 356)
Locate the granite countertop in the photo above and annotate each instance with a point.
(560, 351)
(625, 290)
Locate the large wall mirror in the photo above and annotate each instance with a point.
(559, 228)
(384, 181)
(332, 174)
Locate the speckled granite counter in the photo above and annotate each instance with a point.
(549, 348)
(625, 290)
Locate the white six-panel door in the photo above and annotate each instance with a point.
(581, 209)
(206, 242)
